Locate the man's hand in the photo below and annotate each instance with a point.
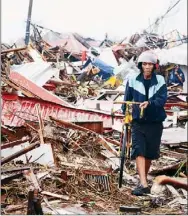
(176, 73)
(144, 104)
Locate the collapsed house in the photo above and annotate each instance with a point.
(61, 139)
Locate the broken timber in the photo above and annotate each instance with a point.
(77, 127)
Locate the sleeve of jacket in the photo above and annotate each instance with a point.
(127, 97)
(161, 94)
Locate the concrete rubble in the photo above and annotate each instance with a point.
(61, 129)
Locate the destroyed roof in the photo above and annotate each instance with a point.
(5, 46)
(92, 42)
(106, 43)
(53, 38)
(145, 39)
(176, 55)
(68, 41)
(82, 40)
(72, 45)
(37, 72)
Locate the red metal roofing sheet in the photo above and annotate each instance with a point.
(36, 90)
(16, 111)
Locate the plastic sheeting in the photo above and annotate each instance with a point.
(106, 71)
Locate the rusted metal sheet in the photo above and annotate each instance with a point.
(13, 134)
(100, 177)
(36, 90)
(49, 86)
(96, 126)
(15, 112)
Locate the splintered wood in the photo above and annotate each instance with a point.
(83, 172)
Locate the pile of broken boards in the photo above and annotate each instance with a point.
(58, 167)
(26, 71)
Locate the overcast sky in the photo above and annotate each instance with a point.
(119, 18)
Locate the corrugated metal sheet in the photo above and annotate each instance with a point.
(73, 45)
(35, 54)
(36, 90)
(53, 38)
(37, 72)
(116, 48)
(108, 57)
(16, 111)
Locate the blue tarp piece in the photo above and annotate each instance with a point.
(106, 71)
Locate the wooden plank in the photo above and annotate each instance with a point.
(173, 154)
(14, 143)
(32, 178)
(13, 50)
(64, 197)
(185, 193)
(174, 192)
(17, 87)
(12, 208)
(182, 150)
(41, 124)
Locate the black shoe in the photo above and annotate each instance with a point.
(141, 191)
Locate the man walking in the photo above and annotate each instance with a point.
(150, 90)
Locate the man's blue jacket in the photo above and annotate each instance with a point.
(135, 91)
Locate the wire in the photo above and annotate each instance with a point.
(162, 17)
(171, 8)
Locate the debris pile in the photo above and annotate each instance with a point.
(61, 129)
(72, 167)
(80, 174)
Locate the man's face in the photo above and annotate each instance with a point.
(147, 68)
